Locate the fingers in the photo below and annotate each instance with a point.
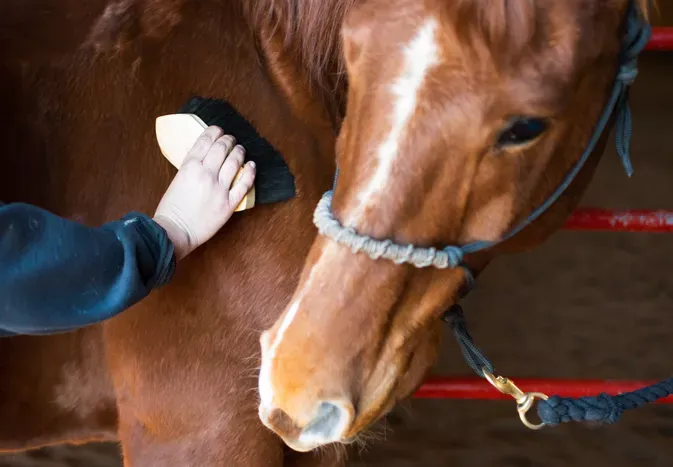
(218, 155)
(204, 143)
(231, 166)
(218, 152)
(243, 184)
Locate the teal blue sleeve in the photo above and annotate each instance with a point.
(58, 275)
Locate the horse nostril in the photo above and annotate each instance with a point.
(331, 421)
(282, 423)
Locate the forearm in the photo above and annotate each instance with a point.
(57, 275)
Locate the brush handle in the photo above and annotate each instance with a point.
(176, 135)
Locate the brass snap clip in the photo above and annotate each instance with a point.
(524, 400)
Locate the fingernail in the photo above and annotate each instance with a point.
(253, 165)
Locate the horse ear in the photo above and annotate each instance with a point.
(508, 22)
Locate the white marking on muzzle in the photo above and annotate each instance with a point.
(420, 55)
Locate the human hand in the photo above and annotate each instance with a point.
(201, 199)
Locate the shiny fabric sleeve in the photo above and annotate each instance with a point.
(57, 275)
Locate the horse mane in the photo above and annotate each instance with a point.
(310, 29)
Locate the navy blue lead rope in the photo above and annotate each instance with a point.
(603, 408)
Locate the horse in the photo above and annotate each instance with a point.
(216, 368)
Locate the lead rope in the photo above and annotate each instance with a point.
(603, 408)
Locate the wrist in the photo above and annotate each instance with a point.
(177, 235)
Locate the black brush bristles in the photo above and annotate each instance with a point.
(273, 182)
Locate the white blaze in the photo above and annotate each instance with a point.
(420, 55)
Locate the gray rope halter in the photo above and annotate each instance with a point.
(399, 254)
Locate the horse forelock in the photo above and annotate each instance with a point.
(505, 27)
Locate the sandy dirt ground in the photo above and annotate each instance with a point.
(585, 305)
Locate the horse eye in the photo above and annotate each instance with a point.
(521, 130)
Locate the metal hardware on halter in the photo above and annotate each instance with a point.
(524, 400)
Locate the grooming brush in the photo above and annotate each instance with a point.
(177, 133)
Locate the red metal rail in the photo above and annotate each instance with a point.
(477, 388)
(662, 39)
(594, 219)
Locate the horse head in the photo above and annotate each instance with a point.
(462, 117)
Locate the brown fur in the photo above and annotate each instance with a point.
(174, 379)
